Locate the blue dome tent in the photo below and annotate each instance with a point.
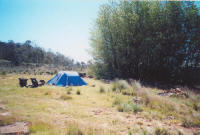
(67, 78)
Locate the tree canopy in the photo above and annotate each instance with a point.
(147, 40)
(28, 52)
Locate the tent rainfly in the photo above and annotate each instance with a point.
(67, 78)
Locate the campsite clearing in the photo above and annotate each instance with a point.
(96, 110)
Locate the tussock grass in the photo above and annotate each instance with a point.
(101, 89)
(48, 104)
(129, 107)
(117, 101)
(69, 90)
(119, 85)
(162, 131)
(78, 92)
(65, 97)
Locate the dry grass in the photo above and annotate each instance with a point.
(58, 110)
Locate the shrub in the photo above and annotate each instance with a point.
(47, 93)
(101, 90)
(51, 73)
(65, 97)
(120, 108)
(74, 130)
(55, 72)
(196, 107)
(114, 88)
(119, 85)
(68, 92)
(129, 107)
(3, 73)
(116, 101)
(137, 108)
(136, 85)
(161, 131)
(129, 92)
(78, 92)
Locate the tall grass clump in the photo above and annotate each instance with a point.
(41, 128)
(74, 130)
(101, 90)
(129, 107)
(65, 97)
(78, 92)
(189, 121)
(161, 131)
(136, 84)
(69, 90)
(117, 101)
(119, 85)
(162, 104)
(3, 73)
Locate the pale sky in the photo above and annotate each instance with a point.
(60, 25)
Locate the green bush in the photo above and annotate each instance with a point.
(78, 92)
(101, 90)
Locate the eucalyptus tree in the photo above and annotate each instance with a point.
(146, 40)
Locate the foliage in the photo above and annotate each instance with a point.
(29, 54)
(147, 40)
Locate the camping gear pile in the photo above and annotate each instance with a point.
(23, 83)
(67, 78)
(173, 92)
(63, 78)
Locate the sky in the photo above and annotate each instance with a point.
(59, 25)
